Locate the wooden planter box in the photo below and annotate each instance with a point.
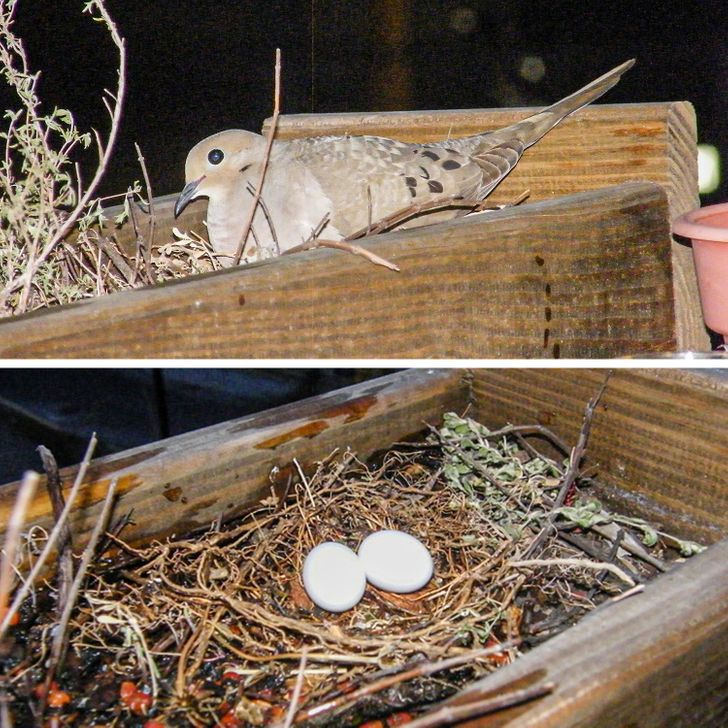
(658, 441)
(586, 268)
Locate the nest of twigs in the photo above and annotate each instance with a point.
(217, 628)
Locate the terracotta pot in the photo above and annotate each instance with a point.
(708, 229)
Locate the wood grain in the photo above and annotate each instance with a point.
(657, 660)
(185, 482)
(586, 275)
(600, 145)
(658, 440)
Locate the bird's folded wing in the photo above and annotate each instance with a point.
(368, 178)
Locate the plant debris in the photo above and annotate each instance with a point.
(217, 629)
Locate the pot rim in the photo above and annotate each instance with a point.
(690, 224)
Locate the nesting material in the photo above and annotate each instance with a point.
(220, 624)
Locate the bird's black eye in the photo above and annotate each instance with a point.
(215, 156)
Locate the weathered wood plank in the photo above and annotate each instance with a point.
(185, 482)
(658, 438)
(655, 660)
(601, 145)
(586, 275)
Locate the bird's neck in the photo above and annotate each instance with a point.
(227, 215)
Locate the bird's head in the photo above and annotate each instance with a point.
(216, 163)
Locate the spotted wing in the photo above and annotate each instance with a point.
(368, 178)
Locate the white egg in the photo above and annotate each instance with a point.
(395, 561)
(333, 577)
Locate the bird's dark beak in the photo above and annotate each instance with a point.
(186, 195)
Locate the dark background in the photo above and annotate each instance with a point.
(198, 66)
(61, 408)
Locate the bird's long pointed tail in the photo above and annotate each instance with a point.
(530, 130)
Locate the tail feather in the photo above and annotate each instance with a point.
(530, 130)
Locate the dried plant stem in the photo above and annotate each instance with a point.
(572, 471)
(296, 697)
(348, 247)
(65, 543)
(578, 563)
(38, 258)
(147, 244)
(448, 714)
(399, 216)
(12, 539)
(578, 451)
(403, 674)
(60, 638)
(52, 537)
(264, 164)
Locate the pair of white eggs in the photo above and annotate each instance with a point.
(335, 577)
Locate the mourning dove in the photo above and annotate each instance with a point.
(352, 180)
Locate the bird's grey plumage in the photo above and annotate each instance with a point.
(354, 179)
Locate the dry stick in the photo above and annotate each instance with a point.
(582, 544)
(12, 537)
(426, 668)
(580, 563)
(399, 216)
(52, 537)
(65, 542)
(354, 250)
(147, 244)
(456, 713)
(417, 208)
(296, 690)
(266, 158)
(185, 651)
(60, 638)
(268, 218)
(613, 551)
(578, 452)
(572, 472)
(314, 242)
(6, 719)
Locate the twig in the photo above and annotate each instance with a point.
(114, 531)
(402, 675)
(268, 219)
(147, 245)
(65, 542)
(613, 551)
(296, 697)
(12, 539)
(578, 452)
(572, 471)
(456, 713)
(264, 164)
(6, 717)
(348, 247)
(185, 651)
(579, 563)
(52, 537)
(60, 637)
(399, 216)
